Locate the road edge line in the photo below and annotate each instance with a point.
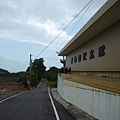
(37, 87)
(12, 96)
(19, 94)
(55, 110)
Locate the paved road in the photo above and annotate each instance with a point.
(35, 105)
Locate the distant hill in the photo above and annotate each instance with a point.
(2, 71)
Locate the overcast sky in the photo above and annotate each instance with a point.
(28, 26)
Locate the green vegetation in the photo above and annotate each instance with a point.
(37, 72)
(51, 84)
(18, 74)
(51, 75)
(2, 71)
(38, 67)
(24, 80)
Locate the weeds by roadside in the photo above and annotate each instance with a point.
(51, 84)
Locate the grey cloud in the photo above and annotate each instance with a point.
(12, 65)
(16, 14)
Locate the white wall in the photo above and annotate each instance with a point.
(101, 104)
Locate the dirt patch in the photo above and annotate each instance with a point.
(109, 84)
(10, 86)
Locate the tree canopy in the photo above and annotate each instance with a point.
(24, 80)
(37, 73)
(52, 74)
(38, 67)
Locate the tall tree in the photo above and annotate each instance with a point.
(38, 67)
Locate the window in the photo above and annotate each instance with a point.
(72, 60)
(75, 59)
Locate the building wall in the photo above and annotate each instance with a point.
(101, 104)
(109, 43)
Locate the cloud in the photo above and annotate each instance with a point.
(38, 22)
(12, 65)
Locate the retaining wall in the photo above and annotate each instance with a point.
(101, 104)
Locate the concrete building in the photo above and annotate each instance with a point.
(93, 55)
(95, 49)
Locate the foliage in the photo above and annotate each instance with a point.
(62, 70)
(52, 84)
(34, 79)
(25, 79)
(18, 74)
(52, 74)
(38, 67)
(4, 71)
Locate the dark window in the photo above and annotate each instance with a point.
(75, 59)
(72, 60)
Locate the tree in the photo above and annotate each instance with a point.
(34, 79)
(52, 74)
(25, 81)
(38, 67)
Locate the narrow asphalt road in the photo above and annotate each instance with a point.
(34, 105)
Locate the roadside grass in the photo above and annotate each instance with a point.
(52, 84)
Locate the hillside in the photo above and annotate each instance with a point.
(9, 83)
(3, 71)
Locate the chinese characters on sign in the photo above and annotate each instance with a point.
(84, 56)
(91, 54)
(101, 53)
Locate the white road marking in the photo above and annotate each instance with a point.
(19, 94)
(56, 113)
(13, 96)
(37, 87)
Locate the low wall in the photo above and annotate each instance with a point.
(101, 104)
(115, 74)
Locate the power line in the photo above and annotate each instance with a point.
(77, 23)
(53, 58)
(72, 29)
(64, 29)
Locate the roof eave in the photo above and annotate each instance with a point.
(99, 22)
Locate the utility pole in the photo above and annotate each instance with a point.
(30, 72)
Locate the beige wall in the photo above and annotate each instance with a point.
(110, 62)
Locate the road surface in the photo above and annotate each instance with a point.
(34, 105)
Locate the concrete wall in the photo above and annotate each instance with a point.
(110, 38)
(114, 74)
(101, 104)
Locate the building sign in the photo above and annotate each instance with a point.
(83, 56)
(91, 54)
(101, 51)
